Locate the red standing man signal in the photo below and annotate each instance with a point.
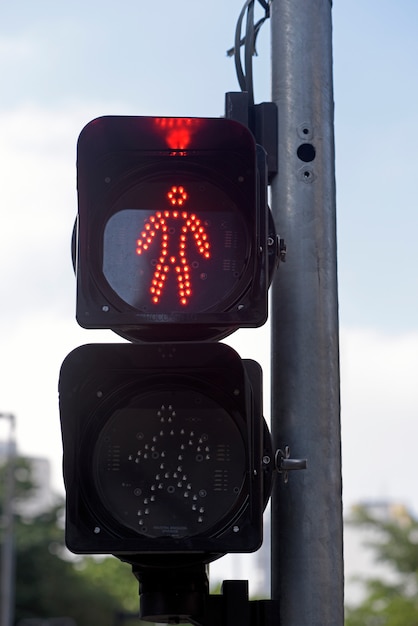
(173, 254)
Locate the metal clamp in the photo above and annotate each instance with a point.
(284, 464)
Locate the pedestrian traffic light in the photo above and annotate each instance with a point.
(172, 229)
(167, 457)
(165, 451)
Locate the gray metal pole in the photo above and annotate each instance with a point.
(307, 562)
(7, 570)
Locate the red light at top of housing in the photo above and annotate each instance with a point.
(178, 131)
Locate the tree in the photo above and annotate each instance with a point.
(390, 603)
(52, 583)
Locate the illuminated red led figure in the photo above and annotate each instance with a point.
(173, 253)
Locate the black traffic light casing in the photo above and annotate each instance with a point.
(172, 228)
(165, 450)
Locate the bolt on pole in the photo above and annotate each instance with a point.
(307, 561)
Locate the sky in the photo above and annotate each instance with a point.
(63, 64)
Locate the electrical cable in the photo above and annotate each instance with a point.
(245, 75)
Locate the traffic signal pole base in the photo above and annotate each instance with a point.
(179, 595)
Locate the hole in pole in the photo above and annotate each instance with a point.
(306, 152)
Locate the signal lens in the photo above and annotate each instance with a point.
(184, 247)
(171, 464)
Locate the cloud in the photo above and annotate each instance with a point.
(379, 415)
(20, 49)
(38, 205)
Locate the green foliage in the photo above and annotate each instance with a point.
(114, 577)
(52, 583)
(394, 603)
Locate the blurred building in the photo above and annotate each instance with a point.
(40, 497)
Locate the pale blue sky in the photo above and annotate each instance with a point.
(376, 91)
(62, 64)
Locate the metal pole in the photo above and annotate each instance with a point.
(307, 562)
(7, 549)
